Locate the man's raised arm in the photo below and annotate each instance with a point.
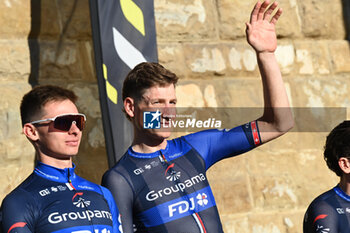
(277, 118)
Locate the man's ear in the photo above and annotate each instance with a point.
(344, 165)
(129, 106)
(30, 131)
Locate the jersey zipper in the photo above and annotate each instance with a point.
(69, 184)
(75, 193)
(195, 215)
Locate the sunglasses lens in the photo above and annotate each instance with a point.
(65, 122)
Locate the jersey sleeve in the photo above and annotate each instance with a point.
(215, 145)
(18, 211)
(320, 217)
(117, 227)
(123, 196)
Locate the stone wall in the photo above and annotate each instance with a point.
(203, 41)
(16, 160)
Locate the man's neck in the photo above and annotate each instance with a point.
(344, 184)
(144, 147)
(58, 163)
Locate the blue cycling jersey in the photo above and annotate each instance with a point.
(329, 212)
(57, 200)
(168, 191)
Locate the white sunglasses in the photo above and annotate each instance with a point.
(64, 121)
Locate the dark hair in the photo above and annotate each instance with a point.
(33, 102)
(337, 146)
(144, 76)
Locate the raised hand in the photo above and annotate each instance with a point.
(260, 30)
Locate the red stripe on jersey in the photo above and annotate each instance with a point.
(170, 166)
(18, 224)
(255, 133)
(321, 216)
(200, 220)
(80, 194)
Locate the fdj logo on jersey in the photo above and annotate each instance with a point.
(151, 120)
(184, 206)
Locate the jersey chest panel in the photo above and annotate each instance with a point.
(61, 208)
(176, 194)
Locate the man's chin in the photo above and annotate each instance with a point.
(161, 134)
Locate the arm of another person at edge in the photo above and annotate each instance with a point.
(18, 213)
(117, 227)
(320, 216)
(123, 196)
(277, 118)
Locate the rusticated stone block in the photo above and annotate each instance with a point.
(289, 24)
(216, 60)
(229, 169)
(15, 19)
(75, 19)
(86, 59)
(313, 57)
(205, 60)
(293, 220)
(235, 223)
(46, 20)
(62, 20)
(15, 63)
(92, 162)
(234, 14)
(320, 20)
(71, 60)
(232, 17)
(185, 20)
(10, 120)
(241, 59)
(340, 55)
(320, 92)
(183, 91)
(233, 91)
(59, 61)
(285, 56)
(265, 161)
(228, 180)
(171, 56)
(266, 222)
(317, 182)
(274, 192)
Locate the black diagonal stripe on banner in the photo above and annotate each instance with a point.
(124, 35)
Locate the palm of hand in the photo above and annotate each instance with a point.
(261, 36)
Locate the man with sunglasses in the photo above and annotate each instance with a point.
(53, 198)
(163, 182)
(330, 211)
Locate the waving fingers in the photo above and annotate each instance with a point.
(276, 16)
(268, 12)
(264, 11)
(254, 14)
(261, 13)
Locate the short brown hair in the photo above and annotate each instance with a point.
(337, 146)
(146, 75)
(33, 102)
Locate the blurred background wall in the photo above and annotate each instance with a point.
(203, 41)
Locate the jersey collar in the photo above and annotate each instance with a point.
(54, 173)
(341, 193)
(148, 155)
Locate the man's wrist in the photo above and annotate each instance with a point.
(265, 55)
